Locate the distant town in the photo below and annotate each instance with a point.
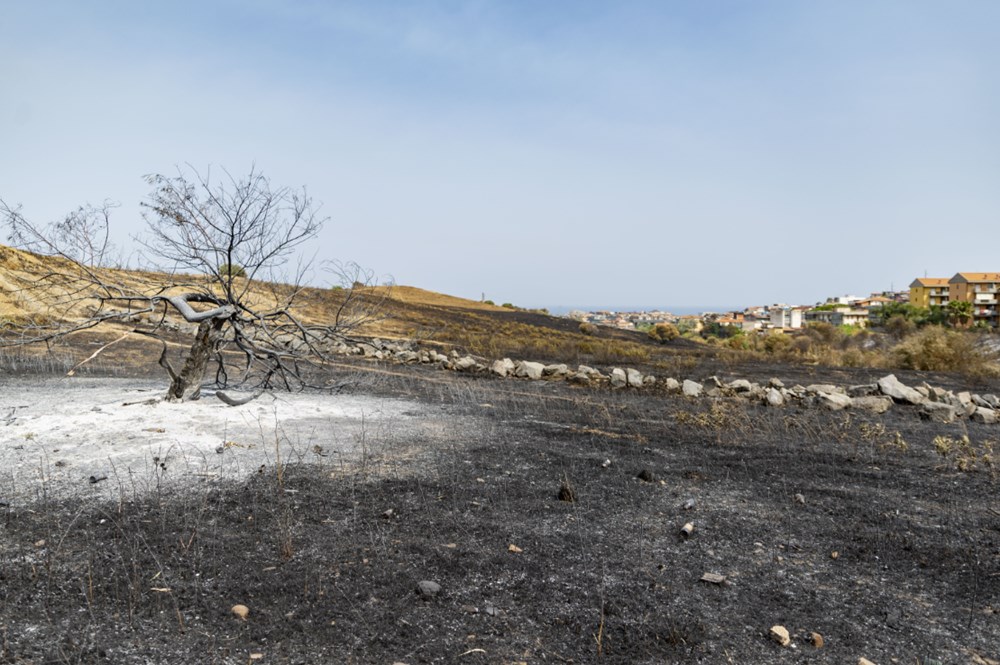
(968, 299)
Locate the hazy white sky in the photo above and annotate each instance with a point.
(543, 153)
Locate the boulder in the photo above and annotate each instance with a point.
(672, 385)
(739, 386)
(618, 378)
(834, 401)
(634, 377)
(503, 367)
(981, 415)
(464, 364)
(775, 383)
(774, 397)
(579, 378)
(407, 357)
(890, 386)
(691, 388)
(556, 371)
(938, 412)
(871, 403)
(826, 388)
(863, 390)
(526, 369)
(649, 380)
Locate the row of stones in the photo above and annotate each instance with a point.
(934, 403)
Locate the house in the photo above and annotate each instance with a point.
(840, 316)
(928, 291)
(786, 317)
(982, 290)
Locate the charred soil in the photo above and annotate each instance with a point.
(854, 527)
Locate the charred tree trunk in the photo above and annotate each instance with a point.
(186, 384)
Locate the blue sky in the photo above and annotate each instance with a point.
(556, 153)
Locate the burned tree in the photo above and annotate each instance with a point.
(221, 249)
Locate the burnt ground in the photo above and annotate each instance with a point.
(889, 552)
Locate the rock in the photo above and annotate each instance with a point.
(981, 401)
(503, 367)
(672, 385)
(589, 371)
(987, 416)
(645, 475)
(924, 391)
(687, 530)
(891, 387)
(739, 386)
(871, 403)
(780, 635)
(864, 661)
(428, 589)
(774, 397)
(618, 378)
(634, 377)
(938, 412)
(834, 401)
(713, 578)
(800, 498)
(827, 388)
(863, 390)
(816, 639)
(579, 378)
(241, 611)
(689, 504)
(528, 370)
(713, 381)
(691, 388)
(649, 380)
(464, 364)
(556, 371)
(407, 357)
(775, 383)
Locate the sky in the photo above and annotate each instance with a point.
(568, 152)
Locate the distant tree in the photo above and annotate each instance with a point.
(959, 312)
(222, 231)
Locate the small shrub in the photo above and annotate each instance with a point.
(508, 305)
(663, 332)
(587, 328)
(489, 302)
(936, 349)
(232, 270)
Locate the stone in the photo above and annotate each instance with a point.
(713, 381)
(834, 401)
(774, 397)
(691, 388)
(775, 383)
(634, 377)
(739, 386)
(241, 611)
(645, 475)
(987, 416)
(556, 371)
(713, 578)
(938, 412)
(892, 387)
(672, 385)
(816, 639)
(827, 388)
(981, 402)
(618, 378)
(864, 661)
(579, 378)
(528, 370)
(780, 635)
(862, 390)
(649, 380)
(871, 403)
(407, 357)
(428, 589)
(503, 367)
(464, 364)
(589, 371)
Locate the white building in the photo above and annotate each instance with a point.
(786, 317)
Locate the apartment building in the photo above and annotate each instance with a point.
(927, 291)
(982, 290)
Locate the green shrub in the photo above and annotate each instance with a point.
(936, 349)
(587, 328)
(663, 332)
(232, 270)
